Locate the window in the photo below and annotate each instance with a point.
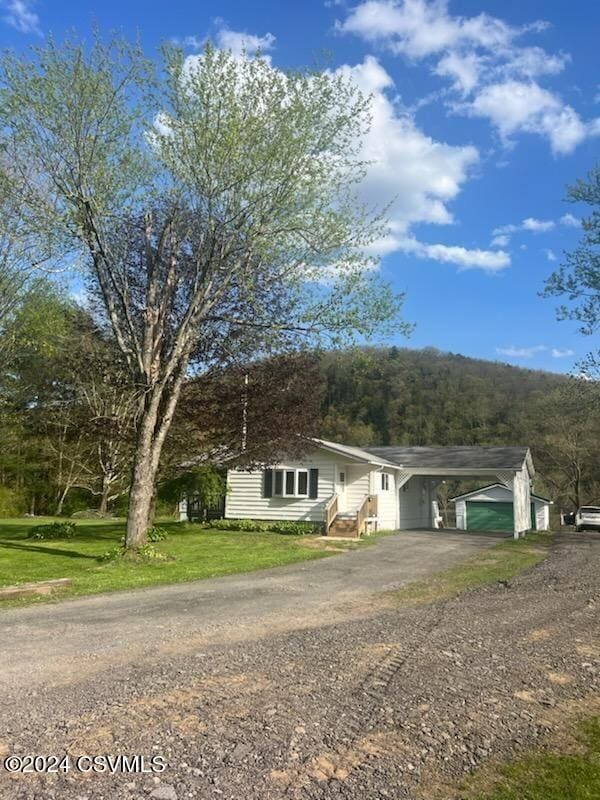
(278, 490)
(291, 483)
(343, 479)
(385, 481)
(302, 487)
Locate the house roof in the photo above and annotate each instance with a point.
(354, 453)
(492, 486)
(467, 457)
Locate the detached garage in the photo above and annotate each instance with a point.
(491, 509)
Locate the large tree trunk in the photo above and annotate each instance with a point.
(154, 425)
(140, 495)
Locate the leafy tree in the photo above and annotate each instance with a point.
(203, 482)
(579, 277)
(66, 408)
(212, 204)
(566, 444)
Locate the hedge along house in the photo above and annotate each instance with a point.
(347, 490)
(492, 508)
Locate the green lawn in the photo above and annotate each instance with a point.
(196, 553)
(500, 563)
(546, 775)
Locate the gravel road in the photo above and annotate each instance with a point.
(386, 702)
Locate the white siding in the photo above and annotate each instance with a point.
(499, 494)
(386, 498)
(245, 493)
(542, 515)
(415, 504)
(461, 515)
(522, 501)
(357, 485)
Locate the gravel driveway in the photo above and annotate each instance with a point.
(381, 702)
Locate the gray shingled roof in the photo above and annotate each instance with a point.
(359, 453)
(476, 457)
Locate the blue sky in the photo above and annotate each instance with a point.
(483, 113)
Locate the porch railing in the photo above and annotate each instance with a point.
(368, 508)
(331, 510)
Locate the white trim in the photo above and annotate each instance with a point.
(353, 453)
(294, 494)
(500, 486)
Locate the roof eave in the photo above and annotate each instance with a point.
(366, 459)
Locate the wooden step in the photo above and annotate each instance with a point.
(345, 528)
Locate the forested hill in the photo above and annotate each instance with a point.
(427, 397)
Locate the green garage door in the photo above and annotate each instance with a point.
(485, 516)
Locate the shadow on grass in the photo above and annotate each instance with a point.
(52, 551)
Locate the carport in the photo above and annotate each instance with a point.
(421, 469)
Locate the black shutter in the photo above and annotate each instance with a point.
(268, 483)
(313, 483)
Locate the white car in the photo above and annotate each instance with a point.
(587, 518)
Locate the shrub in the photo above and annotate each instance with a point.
(156, 534)
(290, 528)
(295, 528)
(148, 552)
(55, 530)
(111, 555)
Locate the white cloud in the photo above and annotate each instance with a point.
(419, 174)
(570, 221)
(418, 28)
(521, 352)
(529, 352)
(564, 352)
(494, 75)
(19, 15)
(504, 230)
(550, 254)
(239, 42)
(415, 174)
(533, 62)
(502, 234)
(464, 69)
(518, 107)
(537, 225)
(487, 260)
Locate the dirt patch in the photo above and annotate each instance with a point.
(541, 634)
(588, 650)
(560, 678)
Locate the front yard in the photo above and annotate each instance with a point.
(194, 552)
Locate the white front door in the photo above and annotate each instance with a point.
(341, 480)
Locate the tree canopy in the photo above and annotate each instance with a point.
(211, 201)
(578, 278)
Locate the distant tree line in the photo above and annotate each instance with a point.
(426, 397)
(68, 412)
